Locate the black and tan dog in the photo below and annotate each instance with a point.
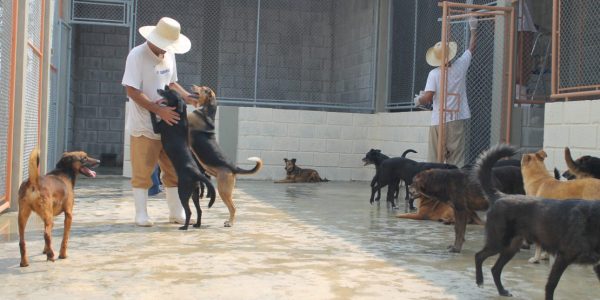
(456, 188)
(583, 167)
(208, 152)
(50, 195)
(375, 157)
(569, 229)
(295, 174)
(174, 139)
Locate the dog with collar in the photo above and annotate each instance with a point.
(207, 151)
(174, 139)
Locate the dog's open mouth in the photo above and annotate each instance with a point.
(366, 162)
(87, 172)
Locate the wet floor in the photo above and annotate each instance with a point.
(301, 241)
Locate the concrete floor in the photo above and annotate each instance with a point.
(302, 241)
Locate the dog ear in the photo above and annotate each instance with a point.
(293, 160)
(65, 161)
(378, 150)
(541, 154)
(285, 159)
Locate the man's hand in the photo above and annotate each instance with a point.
(473, 23)
(168, 115)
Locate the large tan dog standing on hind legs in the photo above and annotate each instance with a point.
(208, 152)
(50, 195)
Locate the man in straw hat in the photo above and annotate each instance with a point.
(456, 99)
(151, 66)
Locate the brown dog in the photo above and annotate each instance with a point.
(296, 174)
(428, 209)
(50, 195)
(538, 182)
(206, 149)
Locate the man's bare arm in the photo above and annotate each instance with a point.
(165, 113)
(427, 98)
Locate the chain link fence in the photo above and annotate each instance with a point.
(577, 55)
(487, 85)
(5, 67)
(310, 54)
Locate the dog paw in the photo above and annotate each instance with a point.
(534, 260)
(24, 264)
(62, 256)
(505, 293)
(227, 224)
(197, 225)
(453, 249)
(50, 258)
(183, 228)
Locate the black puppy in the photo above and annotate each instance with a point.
(568, 229)
(585, 166)
(174, 140)
(375, 157)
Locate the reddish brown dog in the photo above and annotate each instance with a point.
(50, 195)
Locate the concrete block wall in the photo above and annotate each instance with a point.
(574, 124)
(98, 97)
(333, 143)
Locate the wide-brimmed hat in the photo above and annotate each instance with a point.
(434, 54)
(167, 35)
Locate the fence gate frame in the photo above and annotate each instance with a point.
(451, 11)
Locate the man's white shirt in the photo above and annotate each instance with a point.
(148, 73)
(457, 85)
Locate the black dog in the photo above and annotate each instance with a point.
(585, 166)
(392, 170)
(375, 157)
(568, 229)
(174, 140)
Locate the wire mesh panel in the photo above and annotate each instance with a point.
(5, 65)
(113, 12)
(487, 85)
(578, 58)
(32, 83)
(306, 54)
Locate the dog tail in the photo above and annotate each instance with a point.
(556, 174)
(34, 162)
(483, 169)
(574, 168)
(256, 168)
(407, 152)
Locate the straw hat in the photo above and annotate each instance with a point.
(434, 54)
(166, 35)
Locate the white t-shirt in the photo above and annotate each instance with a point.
(457, 84)
(148, 73)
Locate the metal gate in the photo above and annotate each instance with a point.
(8, 11)
(490, 76)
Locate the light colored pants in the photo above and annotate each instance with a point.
(455, 143)
(145, 153)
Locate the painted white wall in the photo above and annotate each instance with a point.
(333, 143)
(574, 124)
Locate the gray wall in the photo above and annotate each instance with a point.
(98, 97)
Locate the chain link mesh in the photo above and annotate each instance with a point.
(579, 27)
(304, 53)
(34, 23)
(104, 11)
(485, 81)
(31, 107)
(5, 65)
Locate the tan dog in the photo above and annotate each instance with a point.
(428, 209)
(50, 195)
(295, 174)
(207, 151)
(538, 182)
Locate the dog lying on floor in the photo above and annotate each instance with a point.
(428, 209)
(456, 188)
(568, 229)
(538, 182)
(174, 139)
(375, 157)
(208, 152)
(583, 167)
(50, 195)
(295, 174)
